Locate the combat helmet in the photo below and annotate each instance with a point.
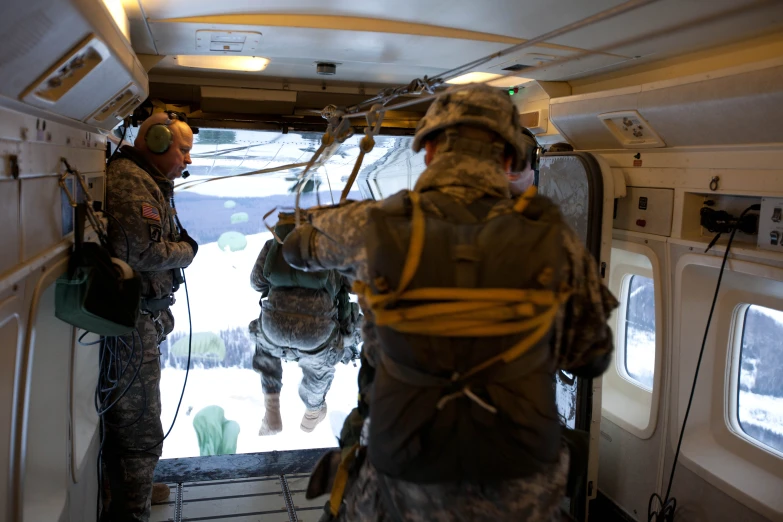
(482, 106)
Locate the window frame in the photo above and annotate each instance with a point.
(711, 449)
(621, 347)
(734, 367)
(625, 402)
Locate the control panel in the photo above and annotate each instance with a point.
(771, 224)
(647, 210)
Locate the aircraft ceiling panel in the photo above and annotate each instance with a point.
(734, 25)
(665, 28)
(397, 40)
(367, 56)
(294, 43)
(305, 70)
(515, 18)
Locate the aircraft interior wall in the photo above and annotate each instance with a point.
(47, 468)
(724, 144)
(640, 426)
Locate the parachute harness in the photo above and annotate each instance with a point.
(464, 312)
(341, 479)
(455, 312)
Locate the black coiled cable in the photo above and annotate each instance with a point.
(668, 505)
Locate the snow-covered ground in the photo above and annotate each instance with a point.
(221, 298)
(565, 396)
(219, 288)
(762, 411)
(238, 392)
(640, 355)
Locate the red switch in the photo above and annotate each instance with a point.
(640, 222)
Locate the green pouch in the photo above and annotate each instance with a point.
(92, 295)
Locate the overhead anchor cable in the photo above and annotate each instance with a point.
(374, 122)
(337, 132)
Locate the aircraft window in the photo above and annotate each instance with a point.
(639, 349)
(760, 391)
(225, 217)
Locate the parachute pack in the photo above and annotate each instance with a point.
(464, 300)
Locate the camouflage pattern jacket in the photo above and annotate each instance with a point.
(297, 318)
(144, 233)
(582, 337)
(582, 344)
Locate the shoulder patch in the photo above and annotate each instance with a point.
(156, 233)
(149, 212)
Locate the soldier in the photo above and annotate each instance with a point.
(472, 302)
(560, 147)
(305, 317)
(518, 182)
(144, 232)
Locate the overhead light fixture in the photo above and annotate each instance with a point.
(222, 62)
(502, 81)
(117, 12)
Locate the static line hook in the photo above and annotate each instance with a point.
(714, 183)
(375, 118)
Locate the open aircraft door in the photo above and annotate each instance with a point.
(585, 189)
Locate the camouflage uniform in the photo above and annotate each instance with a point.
(335, 239)
(143, 233)
(317, 368)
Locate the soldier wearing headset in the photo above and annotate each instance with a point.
(145, 233)
(519, 181)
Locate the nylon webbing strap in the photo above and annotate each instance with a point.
(157, 305)
(374, 121)
(450, 208)
(499, 374)
(459, 144)
(465, 312)
(341, 480)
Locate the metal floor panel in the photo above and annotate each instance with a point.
(222, 488)
(162, 512)
(261, 499)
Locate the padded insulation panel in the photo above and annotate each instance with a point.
(574, 181)
(745, 107)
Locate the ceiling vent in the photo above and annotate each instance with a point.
(326, 69)
(517, 67)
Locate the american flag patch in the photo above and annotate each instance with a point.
(149, 212)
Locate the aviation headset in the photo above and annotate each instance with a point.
(534, 154)
(159, 136)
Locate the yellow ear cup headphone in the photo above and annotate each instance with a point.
(159, 137)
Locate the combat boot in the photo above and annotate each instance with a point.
(160, 493)
(272, 422)
(312, 418)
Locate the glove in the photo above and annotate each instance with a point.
(184, 236)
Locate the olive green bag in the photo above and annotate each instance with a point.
(93, 295)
